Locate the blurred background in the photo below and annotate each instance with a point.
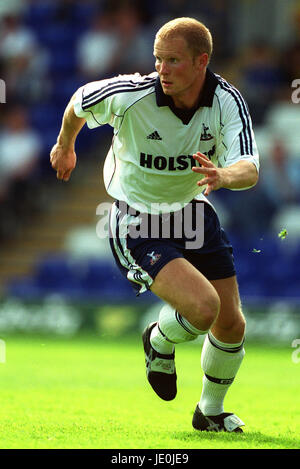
(56, 275)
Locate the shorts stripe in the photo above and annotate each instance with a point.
(119, 232)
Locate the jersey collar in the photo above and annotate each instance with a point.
(205, 99)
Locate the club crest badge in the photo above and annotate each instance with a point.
(204, 134)
(153, 257)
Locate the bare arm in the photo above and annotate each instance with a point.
(240, 175)
(62, 155)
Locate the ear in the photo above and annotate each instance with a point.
(202, 61)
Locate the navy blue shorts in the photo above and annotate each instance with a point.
(141, 254)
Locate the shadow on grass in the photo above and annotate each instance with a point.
(250, 440)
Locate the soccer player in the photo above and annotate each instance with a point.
(179, 133)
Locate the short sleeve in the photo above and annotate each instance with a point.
(236, 139)
(94, 103)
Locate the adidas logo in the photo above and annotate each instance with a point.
(154, 136)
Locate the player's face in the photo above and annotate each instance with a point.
(179, 72)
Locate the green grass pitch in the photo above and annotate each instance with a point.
(91, 392)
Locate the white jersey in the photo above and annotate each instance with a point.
(150, 160)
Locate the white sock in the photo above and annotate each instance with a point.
(220, 363)
(172, 329)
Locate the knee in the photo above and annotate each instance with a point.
(210, 309)
(234, 326)
(241, 324)
(238, 325)
(206, 310)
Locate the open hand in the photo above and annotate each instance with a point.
(212, 175)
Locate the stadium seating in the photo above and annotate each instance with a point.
(59, 38)
(269, 272)
(81, 279)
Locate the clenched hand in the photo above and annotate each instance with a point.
(63, 161)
